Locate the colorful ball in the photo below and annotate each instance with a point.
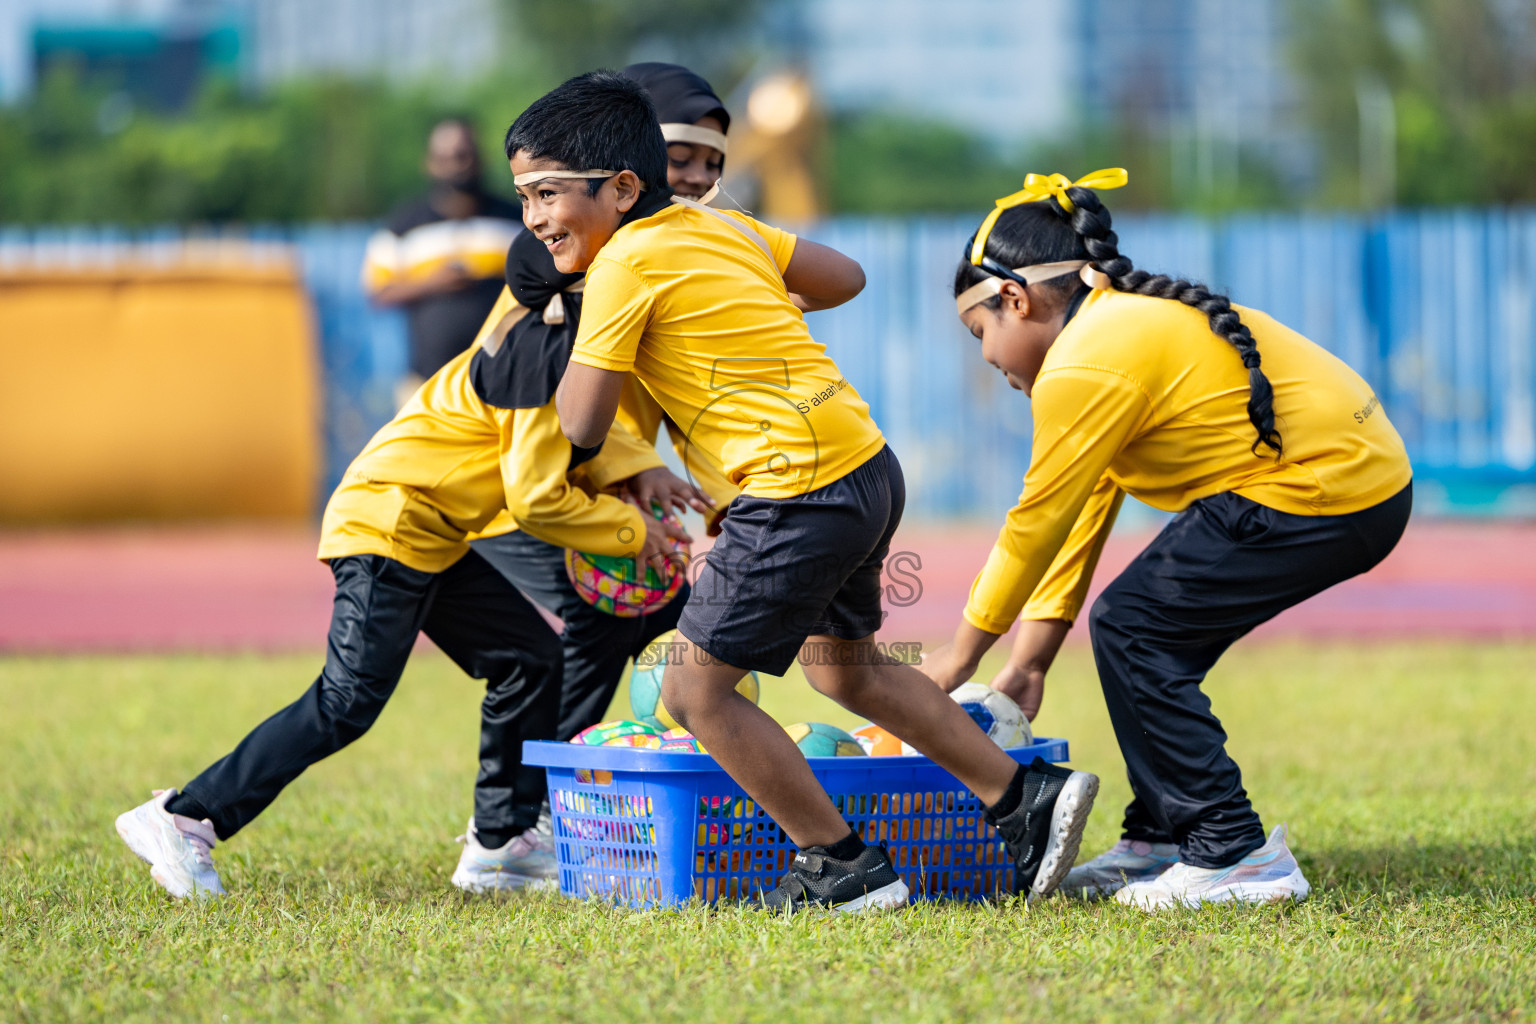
(645, 741)
(994, 713)
(877, 742)
(612, 584)
(724, 820)
(680, 741)
(817, 739)
(645, 680)
(598, 735)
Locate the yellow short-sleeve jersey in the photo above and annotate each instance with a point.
(1137, 394)
(699, 312)
(642, 416)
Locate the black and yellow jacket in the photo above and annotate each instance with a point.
(478, 450)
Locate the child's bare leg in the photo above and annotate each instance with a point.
(753, 748)
(902, 700)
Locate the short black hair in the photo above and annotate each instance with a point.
(597, 120)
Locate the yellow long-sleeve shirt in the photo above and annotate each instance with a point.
(1138, 395)
(448, 464)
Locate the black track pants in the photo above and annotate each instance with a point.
(476, 617)
(597, 645)
(1221, 567)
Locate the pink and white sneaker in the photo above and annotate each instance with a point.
(177, 849)
(526, 861)
(1269, 874)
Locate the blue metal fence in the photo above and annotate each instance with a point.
(1434, 308)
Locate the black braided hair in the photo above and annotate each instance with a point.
(1043, 232)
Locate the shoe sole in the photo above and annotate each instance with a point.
(1068, 819)
(887, 897)
(140, 837)
(1293, 886)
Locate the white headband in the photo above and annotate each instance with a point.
(984, 290)
(529, 177)
(693, 135)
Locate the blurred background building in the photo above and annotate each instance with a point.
(160, 51)
(399, 38)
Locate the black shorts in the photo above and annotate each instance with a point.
(785, 569)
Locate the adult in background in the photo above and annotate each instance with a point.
(443, 255)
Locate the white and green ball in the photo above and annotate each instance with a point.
(645, 681)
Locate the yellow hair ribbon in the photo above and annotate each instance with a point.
(1038, 187)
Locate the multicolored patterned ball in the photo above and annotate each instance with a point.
(611, 584)
(681, 741)
(723, 819)
(600, 734)
(644, 741)
(817, 739)
(645, 681)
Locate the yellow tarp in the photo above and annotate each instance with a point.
(181, 392)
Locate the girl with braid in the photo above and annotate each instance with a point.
(1282, 466)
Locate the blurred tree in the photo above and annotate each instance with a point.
(890, 163)
(887, 163)
(311, 150)
(1420, 101)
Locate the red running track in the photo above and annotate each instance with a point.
(259, 588)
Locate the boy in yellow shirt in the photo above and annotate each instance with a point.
(480, 439)
(598, 645)
(705, 308)
(1286, 474)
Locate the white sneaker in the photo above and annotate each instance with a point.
(177, 849)
(1269, 874)
(1129, 860)
(526, 861)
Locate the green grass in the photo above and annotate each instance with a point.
(1407, 773)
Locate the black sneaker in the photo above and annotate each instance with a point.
(1043, 834)
(868, 882)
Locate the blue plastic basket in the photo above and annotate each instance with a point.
(647, 827)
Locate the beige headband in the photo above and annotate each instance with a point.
(554, 311)
(984, 290)
(693, 135)
(529, 177)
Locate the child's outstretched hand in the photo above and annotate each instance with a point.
(1023, 678)
(657, 548)
(1024, 683)
(660, 486)
(944, 666)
